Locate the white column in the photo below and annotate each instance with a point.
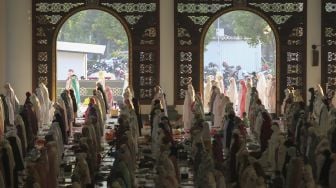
(313, 37)
(2, 43)
(19, 46)
(167, 48)
(166, 52)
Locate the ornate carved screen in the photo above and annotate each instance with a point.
(139, 18)
(287, 19)
(328, 47)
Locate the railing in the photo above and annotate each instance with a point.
(87, 87)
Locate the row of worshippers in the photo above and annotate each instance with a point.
(239, 93)
(88, 155)
(44, 155)
(45, 159)
(312, 130)
(19, 127)
(127, 132)
(206, 171)
(163, 146)
(303, 157)
(88, 152)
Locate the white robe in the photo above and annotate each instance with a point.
(219, 110)
(187, 112)
(248, 97)
(220, 83)
(271, 95)
(261, 88)
(232, 92)
(207, 91)
(47, 104)
(10, 108)
(37, 108)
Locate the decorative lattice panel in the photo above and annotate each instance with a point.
(140, 18)
(328, 47)
(287, 18)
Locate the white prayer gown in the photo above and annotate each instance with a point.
(187, 111)
(324, 120)
(219, 79)
(39, 95)
(45, 95)
(248, 97)
(261, 88)
(258, 123)
(11, 116)
(12, 98)
(207, 91)
(37, 108)
(232, 92)
(219, 110)
(21, 126)
(271, 95)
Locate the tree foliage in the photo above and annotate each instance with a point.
(95, 27)
(243, 24)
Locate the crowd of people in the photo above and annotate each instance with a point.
(227, 148)
(239, 91)
(298, 151)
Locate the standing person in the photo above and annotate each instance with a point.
(68, 80)
(271, 94)
(74, 103)
(75, 87)
(214, 92)
(160, 95)
(248, 84)
(261, 88)
(187, 111)
(242, 101)
(232, 92)
(73, 83)
(12, 103)
(207, 91)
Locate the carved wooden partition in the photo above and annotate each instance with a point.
(286, 18)
(139, 18)
(328, 46)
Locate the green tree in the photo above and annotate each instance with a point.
(244, 24)
(95, 27)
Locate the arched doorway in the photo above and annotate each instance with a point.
(140, 20)
(289, 25)
(92, 46)
(240, 51)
